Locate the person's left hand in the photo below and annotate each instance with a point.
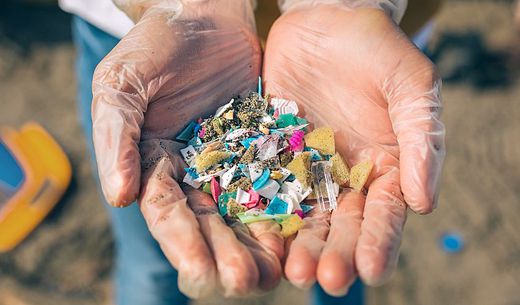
(356, 71)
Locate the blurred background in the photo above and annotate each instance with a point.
(466, 252)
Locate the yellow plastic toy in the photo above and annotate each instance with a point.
(46, 175)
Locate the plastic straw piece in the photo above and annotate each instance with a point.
(323, 185)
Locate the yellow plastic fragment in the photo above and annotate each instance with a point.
(207, 160)
(359, 174)
(263, 129)
(291, 225)
(300, 168)
(321, 139)
(340, 171)
(276, 175)
(228, 115)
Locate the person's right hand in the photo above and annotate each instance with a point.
(180, 60)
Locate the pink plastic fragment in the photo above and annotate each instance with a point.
(215, 189)
(276, 114)
(299, 213)
(296, 140)
(202, 132)
(253, 200)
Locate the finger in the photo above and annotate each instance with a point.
(336, 268)
(268, 234)
(415, 109)
(267, 261)
(304, 251)
(236, 265)
(384, 215)
(173, 224)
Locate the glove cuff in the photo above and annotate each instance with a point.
(394, 8)
(135, 9)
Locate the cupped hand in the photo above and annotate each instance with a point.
(354, 70)
(177, 64)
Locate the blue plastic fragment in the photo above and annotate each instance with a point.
(260, 85)
(262, 180)
(192, 172)
(244, 168)
(196, 129)
(452, 243)
(306, 208)
(187, 133)
(277, 206)
(195, 142)
(223, 200)
(247, 142)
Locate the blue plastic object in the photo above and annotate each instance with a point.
(277, 206)
(11, 174)
(452, 242)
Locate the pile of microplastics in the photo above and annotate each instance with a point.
(257, 159)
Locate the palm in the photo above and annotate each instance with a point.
(347, 72)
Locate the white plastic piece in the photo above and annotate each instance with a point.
(191, 182)
(284, 106)
(285, 172)
(222, 109)
(207, 178)
(255, 171)
(242, 196)
(227, 177)
(269, 189)
(188, 154)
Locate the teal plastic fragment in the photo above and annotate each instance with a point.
(187, 133)
(262, 180)
(247, 142)
(195, 142)
(285, 120)
(306, 208)
(223, 200)
(301, 121)
(277, 206)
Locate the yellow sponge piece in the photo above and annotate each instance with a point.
(207, 160)
(291, 225)
(340, 171)
(300, 167)
(321, 139)
(359, 174)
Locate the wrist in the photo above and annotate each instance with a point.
(394, 8)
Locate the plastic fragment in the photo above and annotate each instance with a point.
(452, 243)
(359, 174)
(286, 120)
(188, 154)
(254, 198)
(223, 108)
(227, 177)
(296, 140)
(215, 189)
(291, 225)
(206, 188)
(323, 186)
(255, 171)
(282, 106)
(306, 208)
(242, 197)
(321, 139)
(262, 180)
(223, 201)
(277, 206)
(300, 167)
(340, 170)
(191, 182)
(299, 213)
(207, 160)
(269, 189)
(187, 133)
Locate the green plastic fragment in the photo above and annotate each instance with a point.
(187, 133)
(250, 218)
(206, 188)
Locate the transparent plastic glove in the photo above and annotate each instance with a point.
(354, 70)
(174, 66)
